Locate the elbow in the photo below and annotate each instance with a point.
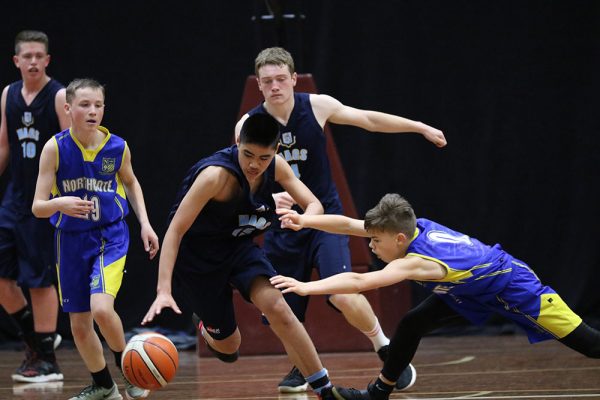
(35, 209)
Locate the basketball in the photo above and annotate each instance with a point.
(150, 360)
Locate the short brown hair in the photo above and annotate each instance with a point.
(274, 56)
(77, 84)
(393, 214)
(30, 36)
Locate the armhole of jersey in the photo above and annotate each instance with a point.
(125, 150)
(57, 154)
(443, 264)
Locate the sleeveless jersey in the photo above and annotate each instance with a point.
(244, 216)
(90, 175)
(472, 267)
(29, 127)
(303, 145)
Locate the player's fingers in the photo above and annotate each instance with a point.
(175, 308)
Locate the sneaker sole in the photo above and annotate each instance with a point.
(143, 396)
(37, 379)
(412, 381)
(293, 389)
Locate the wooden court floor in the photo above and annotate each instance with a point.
(465, 367)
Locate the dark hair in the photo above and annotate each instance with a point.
(77, 84)
(261, 129)
(393, 214)
(30, 36)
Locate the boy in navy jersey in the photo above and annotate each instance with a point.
(302, 117)
(32, 111)
(85, 177)
(224, 202)
(468, 279)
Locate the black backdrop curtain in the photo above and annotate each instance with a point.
(513, 84)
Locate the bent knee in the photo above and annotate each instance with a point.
(344, 302)
(278, 311)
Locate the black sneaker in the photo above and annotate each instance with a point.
(30, 357)
(228, 358)
(341, 393)
(383, 352)
(293, 382)
(407, 378)
(39, 371)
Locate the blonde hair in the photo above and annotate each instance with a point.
(274, 56)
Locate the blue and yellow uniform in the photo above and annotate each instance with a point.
(218, 252)
(26, 252)
(304, 146)
(90, 253)
(483, 279)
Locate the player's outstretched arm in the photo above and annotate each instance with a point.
(327, 108)
(136, 199)
(209, 183)
(413, 268)
(327, 222)
(43, 206)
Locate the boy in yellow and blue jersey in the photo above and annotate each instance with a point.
(84, 179)
(467, 278)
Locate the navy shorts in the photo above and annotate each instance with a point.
(208, 284)
(90, 262)
(26, 249)
(295, 254)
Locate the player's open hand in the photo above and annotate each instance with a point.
(150, 240)
(74, 206)
(435, 136)
(290, 219)
(162, 301)
(289, 285)
(283, 200)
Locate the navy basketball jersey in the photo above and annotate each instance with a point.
(244, 216)
(29, 127)
(472, 267)
(91, 175)
(303, 145)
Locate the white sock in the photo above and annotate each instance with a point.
(376, 336)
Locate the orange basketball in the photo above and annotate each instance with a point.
(150, 360)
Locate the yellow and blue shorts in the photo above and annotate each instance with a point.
(537, 308)
(90, 262)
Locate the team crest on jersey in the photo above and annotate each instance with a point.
(108, 165)
(27, 119)
(287, 139)
(95, 282)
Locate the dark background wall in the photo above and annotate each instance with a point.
(513, 85)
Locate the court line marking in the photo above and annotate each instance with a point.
(462, 360)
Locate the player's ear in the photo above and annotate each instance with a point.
(294, 78)
(401, 238)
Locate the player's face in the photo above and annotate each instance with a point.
(86, 109)
(276, 83)
(385, 245)
(254, 159)
(32, 60)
